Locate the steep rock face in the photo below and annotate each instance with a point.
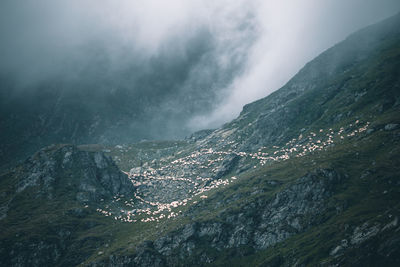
(45, 204)
(259, 225)
(91, 175)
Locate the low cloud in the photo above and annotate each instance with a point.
(291, 33)
(187, 65)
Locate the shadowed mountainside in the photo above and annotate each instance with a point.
(308, 176)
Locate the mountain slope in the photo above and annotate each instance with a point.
(45, 206)
(335, 205)
(307, 176)
(358, 77)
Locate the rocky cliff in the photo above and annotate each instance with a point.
(46, 202)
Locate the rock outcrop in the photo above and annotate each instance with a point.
(258, 225)
(91, 176)
(49, 203)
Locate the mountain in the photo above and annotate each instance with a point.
(307, 176)
(45, 203)
(94, 99)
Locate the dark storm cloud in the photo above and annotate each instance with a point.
(155, 64)
(178, 65)
(39, 38)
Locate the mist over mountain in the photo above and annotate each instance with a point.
(120, 72)
(307, 176)
(193, 133)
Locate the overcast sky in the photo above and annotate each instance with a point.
(266, 41)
